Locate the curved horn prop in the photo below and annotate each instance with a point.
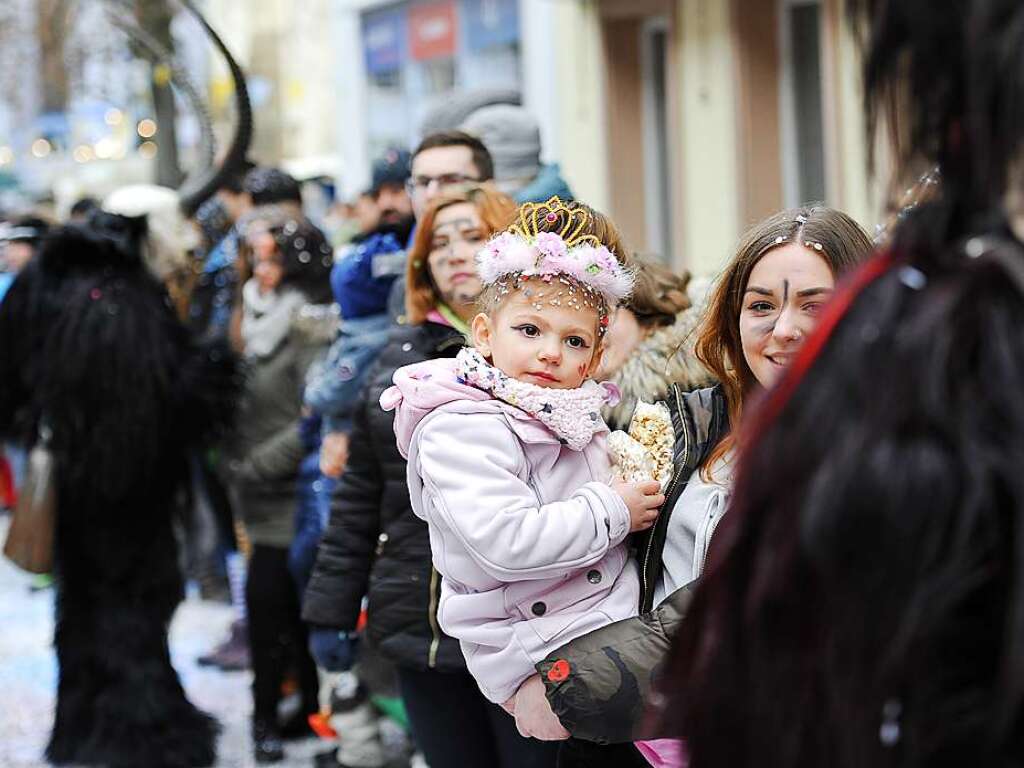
(179, 77)
(192, 196)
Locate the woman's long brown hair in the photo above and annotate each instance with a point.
(844, 245)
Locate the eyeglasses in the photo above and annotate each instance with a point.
(421, 183)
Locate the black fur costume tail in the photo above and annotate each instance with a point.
(92, 346)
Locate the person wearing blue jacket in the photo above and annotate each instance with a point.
(361, 282)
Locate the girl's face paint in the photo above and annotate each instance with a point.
(783, 297)
(554, 346)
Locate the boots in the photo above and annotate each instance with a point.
(233, 654)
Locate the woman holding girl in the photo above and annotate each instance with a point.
(508, 461)
(765, 305)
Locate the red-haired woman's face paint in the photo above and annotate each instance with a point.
(458, 235)
(781, 302)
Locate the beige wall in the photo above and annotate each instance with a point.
(758, 157)
(708, 188)
(290, 46)
(581, 106)
(624, 100)
(308, 82)
(851, 189)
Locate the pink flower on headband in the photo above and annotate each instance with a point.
(504, 254)
(600, 257)
(551, 244)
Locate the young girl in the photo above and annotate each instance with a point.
(507, 456)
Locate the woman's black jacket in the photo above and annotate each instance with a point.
(374, 545)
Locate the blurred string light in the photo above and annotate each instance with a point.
(41, 148)
(106, 148)
(147, 150)
(147, 128)
(83, 153)
(6, 155)
(113, 116)
(162, 75)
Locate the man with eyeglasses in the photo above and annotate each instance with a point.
(444, 161)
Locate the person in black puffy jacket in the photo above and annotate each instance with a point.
(375, 546)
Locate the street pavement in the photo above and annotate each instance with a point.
(28, 676)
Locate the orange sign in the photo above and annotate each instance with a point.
(433, 30)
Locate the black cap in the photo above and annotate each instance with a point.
(267, 186)
(394, 167)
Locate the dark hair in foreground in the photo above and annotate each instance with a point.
(863, 603)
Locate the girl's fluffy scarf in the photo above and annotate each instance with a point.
(574, 415)
(267, 318)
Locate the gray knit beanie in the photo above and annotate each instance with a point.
(512, 136)
(451, 111)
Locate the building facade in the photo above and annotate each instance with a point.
(686, 120)
(707, 115)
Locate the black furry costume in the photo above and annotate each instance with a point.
(90, 344)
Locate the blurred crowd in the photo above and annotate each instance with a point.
(383, 438)
(299, 515)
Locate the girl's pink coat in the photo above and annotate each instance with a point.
(526, 532)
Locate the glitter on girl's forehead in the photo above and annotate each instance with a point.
(574, 295)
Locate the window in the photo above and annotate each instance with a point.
(657, 156)
(803, 139)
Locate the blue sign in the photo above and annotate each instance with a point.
(489, 22)
(384, 43)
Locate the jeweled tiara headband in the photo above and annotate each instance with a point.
(527, 249)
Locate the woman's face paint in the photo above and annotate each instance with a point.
(783, 296)
(458, 235)
(620, 341)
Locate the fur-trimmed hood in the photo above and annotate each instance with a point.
(664, 358)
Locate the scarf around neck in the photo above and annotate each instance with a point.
(267, 318)
(573, 415)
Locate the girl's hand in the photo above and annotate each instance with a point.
(642, 500)
(534, 717)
